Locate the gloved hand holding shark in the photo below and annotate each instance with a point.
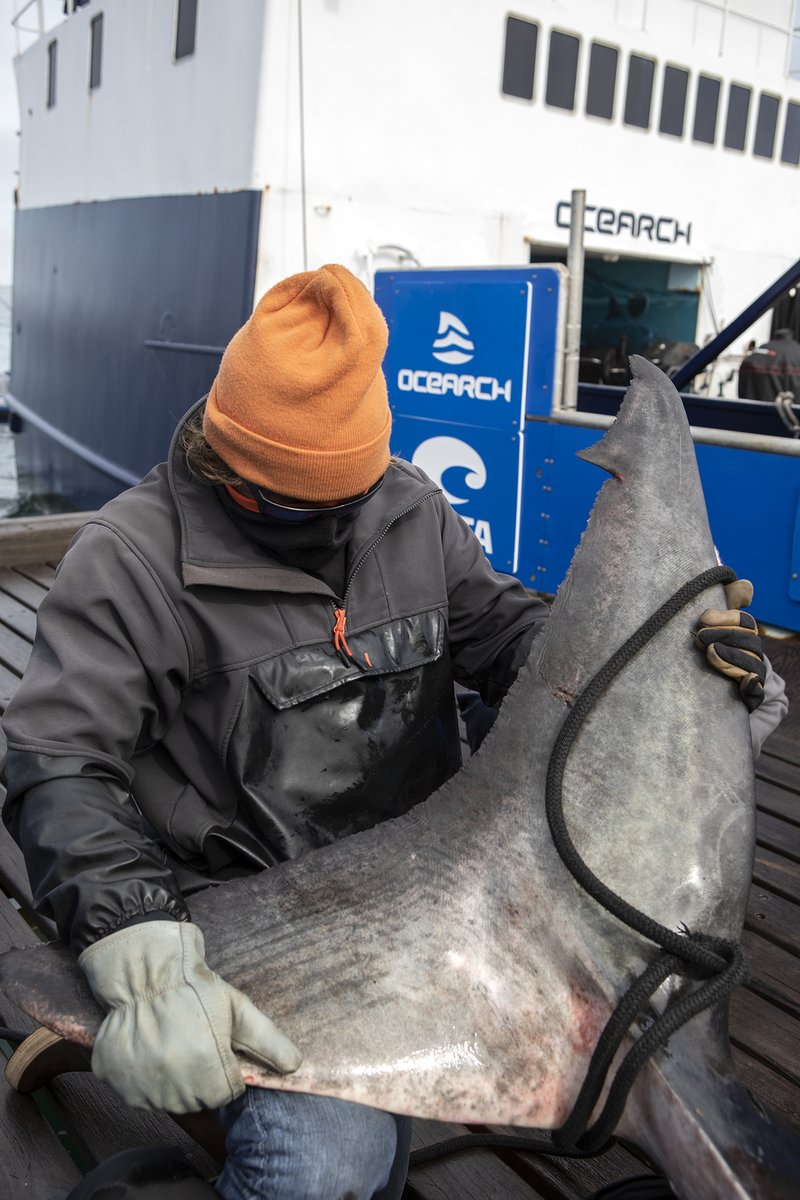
(447, 964)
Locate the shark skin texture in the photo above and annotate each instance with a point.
(446, 964)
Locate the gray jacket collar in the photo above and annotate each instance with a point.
(214, 551)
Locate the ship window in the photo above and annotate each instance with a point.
(738, 112)
(96, 56)
(639, 94)
(52, 55)
(766, 121)
(602, 81)
(706, 109)
(185, 28)
(562, 70)
(673, 101)
(519, 63)
(790, 152)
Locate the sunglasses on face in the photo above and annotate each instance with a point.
(299, 512)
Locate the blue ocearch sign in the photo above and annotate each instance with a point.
(459, 368)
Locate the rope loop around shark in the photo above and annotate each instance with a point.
(446, 964)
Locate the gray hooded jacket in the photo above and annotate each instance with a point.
(186, 715)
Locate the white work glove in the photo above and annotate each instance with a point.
(172, 1025)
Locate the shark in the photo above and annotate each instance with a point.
(449, 964)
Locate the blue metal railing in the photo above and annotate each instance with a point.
(738, 325)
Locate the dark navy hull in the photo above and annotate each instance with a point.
(121, 311)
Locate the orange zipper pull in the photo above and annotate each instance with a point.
(339, 640)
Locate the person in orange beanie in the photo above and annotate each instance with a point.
(299, 406)
(247, 656)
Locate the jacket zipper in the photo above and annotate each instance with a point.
(340, 609)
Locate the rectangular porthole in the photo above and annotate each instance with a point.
(738, 115)
(96, 51)
(602, 81)
(790, 151)
(519, 60)
(766, 124)
(639, 92)
(706, 110)
(52, 60)
(185, 28)
(673, 101)
(562, 70)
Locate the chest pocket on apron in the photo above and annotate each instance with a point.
(321, 749)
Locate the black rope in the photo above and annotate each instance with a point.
(533, 1143)
(704, 958)
(718, 964)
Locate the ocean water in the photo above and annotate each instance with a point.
(9, 490)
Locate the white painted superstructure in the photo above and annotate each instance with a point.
(406, 138)
(379, 134)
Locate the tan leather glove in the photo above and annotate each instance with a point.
(731, 642)
(172, 1025)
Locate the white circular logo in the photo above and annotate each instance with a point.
(439, 454)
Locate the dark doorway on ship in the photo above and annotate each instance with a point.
(632, 306)
(786, 313)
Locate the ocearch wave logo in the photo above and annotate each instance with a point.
(452, 332)
(437, 455)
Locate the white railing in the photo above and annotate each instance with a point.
(45, 15)
(20, 12)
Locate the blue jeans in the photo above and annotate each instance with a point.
(290, 1146)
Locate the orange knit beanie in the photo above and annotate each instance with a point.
(299, 405)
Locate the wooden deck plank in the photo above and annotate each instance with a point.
(785, 746)
(33, 1164)
(18, 586)
(777, 1094)
(38, 539)
(779, 836)
(14, 882)
(765, 1032)
(778, 801)
(774, 918)
(40, 572)
(9, 682)
(775, 975)
(574, 1178)
(473, 1175)
(14, 650)
(17, 617)
(779, 874)
(777, 771)
(106, 1125)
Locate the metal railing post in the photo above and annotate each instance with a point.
(569, 395)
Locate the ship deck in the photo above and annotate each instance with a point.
(53, 1137)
